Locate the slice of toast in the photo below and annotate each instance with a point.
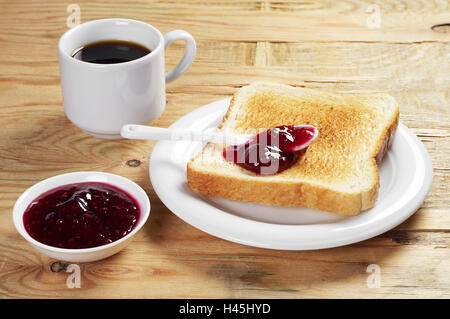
(338, 173)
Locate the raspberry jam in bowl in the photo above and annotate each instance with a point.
(82, 216)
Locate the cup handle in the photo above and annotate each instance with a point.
(189, 53)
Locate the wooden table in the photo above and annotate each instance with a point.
(333, 45)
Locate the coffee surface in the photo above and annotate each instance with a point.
(110, 51)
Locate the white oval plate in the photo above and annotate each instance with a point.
(405, 179)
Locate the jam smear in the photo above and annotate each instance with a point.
(272, 151)
(81, 215)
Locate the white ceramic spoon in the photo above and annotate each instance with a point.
(143, 132)
(308, 134)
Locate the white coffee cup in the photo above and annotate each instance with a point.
(101, 98)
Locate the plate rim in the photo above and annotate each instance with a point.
(220, 106)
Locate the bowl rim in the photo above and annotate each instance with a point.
(138, 193)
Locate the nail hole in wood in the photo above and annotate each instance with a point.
(133, 163)
(58, 266)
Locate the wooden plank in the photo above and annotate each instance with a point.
(69, 149)
(247, 21)
(168, 259)
(344, 66)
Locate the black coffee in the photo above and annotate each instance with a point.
(110, 51)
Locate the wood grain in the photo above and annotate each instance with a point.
(318, 44)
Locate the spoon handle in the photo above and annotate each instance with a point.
(143, 132)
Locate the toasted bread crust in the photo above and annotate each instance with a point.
(299, 193)
(276, 194)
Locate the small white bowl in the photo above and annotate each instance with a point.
(84, 254)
